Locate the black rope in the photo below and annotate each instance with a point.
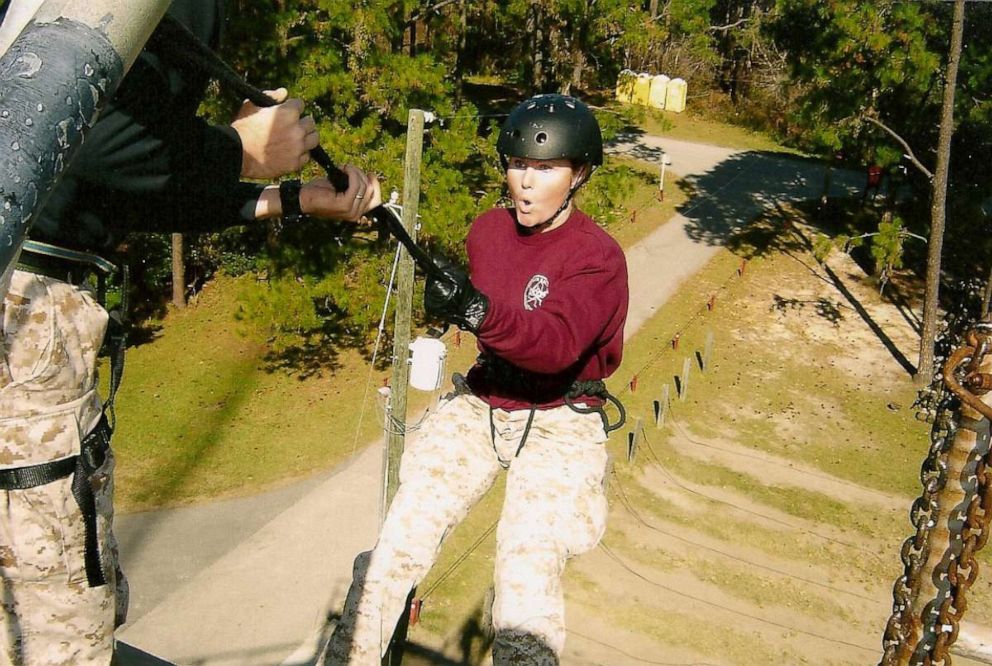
(596, 388)
(174, 35)
(177, 38)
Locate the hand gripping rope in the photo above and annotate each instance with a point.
(175, 35)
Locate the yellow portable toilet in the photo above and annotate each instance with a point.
(659, 91)
(676, 94)
(625, 85)
(642, 89)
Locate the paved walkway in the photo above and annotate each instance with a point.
(250, 581)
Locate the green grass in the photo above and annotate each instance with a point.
(201, 415)
(696, 125)
(764, 589)
(682, 629)
(867, 443)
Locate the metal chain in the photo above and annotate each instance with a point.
(915, 550)
(939, 406)
(962, 571)
(958, 569)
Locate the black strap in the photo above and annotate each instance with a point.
(31, 476)
(505, 464)
(115, 343)
(289, 201)
(92, 454)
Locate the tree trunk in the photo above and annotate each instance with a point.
(987, 296)
(653, 9)
(535, 30)
(461, 54)
(578, 53)
(938, 208)
(178, 272)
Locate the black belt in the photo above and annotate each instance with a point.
(92, 455)
(65, 264)
(509, 377)
(54, 267)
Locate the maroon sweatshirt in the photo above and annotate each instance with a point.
(557, 306)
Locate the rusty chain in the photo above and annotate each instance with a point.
(915, 550)
(938, 624)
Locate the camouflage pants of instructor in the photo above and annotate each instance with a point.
(51, 334)
(555, 507)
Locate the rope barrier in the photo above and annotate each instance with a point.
(654, 358)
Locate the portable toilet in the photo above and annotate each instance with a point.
(625, 85)
(659, 91)
(675, 96)
(642, 89)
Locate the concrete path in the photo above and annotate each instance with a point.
(251, 581)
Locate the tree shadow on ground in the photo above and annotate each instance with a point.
(839, 284)
(741, 187)
(742, 204)
(824, 307)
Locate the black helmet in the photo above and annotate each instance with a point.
(549, 127)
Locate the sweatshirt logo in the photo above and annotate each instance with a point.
(536, 292)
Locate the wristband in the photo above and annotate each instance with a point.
(289, 200)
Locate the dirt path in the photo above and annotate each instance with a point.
(694, 570)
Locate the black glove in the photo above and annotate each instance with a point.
(452, 298)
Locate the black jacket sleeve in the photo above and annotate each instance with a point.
(150, 163)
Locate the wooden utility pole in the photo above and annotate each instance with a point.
(938, 206)
(178, 272)
(396, 416)
(404, 304)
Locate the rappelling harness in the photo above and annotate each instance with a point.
(533, 388)
(75, 268)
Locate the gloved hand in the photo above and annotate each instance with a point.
(452, 298)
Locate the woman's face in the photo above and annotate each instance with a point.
(538, 188)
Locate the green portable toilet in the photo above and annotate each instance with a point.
(675, 96)
(642, 89)
(625, 85)
(659, 91)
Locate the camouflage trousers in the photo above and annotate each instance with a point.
(51, 334)
(555, 507)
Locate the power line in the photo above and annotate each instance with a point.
(622, 495)
(635, 657)
(671, 477)
(616, 558)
